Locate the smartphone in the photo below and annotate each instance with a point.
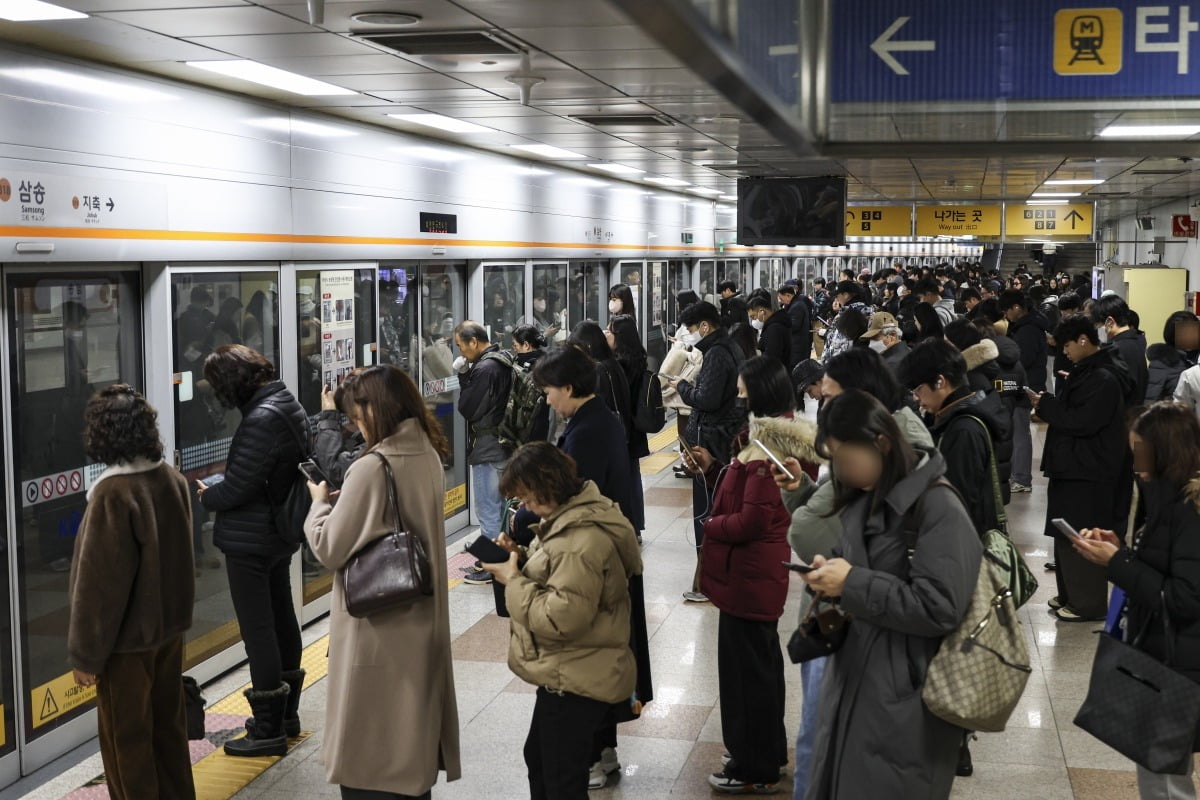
(487, 551)
(1030, 390)
(311, 471)
(801, 568)
(665, 376)
(1065, 528)
(775, 459)
(212, 480)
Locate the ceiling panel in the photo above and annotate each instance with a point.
(619, 37)
(417, 95)
(97, 6)
(189, 23)
(619, 59)
(328, 66)
(435, 14)
(287, 45)
(509, 13)
(104, 40)
(398, 82)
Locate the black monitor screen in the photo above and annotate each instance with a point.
(792, 211)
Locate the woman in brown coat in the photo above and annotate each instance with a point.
(391, 717)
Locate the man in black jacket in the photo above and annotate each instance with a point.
(1085, 456)
(1112, 313)
(774, 330)
(1028, 328)
(733, 305)
(800, 313)
(484, 386)
(716, 417)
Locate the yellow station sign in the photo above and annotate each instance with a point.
(60, 696)
(879, 221)
(456, 500)
(981, 220)
(1074, 219)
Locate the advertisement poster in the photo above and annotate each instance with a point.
(337, 325)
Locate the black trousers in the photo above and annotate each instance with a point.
(371, 794)
(261, 588)
(1082, 585)
(559, 746)
(750, 679)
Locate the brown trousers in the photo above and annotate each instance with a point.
(143, 730)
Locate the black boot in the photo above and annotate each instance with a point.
(965, 768)
(294, 678)
(267, 738)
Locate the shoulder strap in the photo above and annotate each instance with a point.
(911, 529)
(997, 496)
(393, 499)
(305, 447)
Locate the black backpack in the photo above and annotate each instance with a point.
(649, 413)
(526, 404)
(289, 514)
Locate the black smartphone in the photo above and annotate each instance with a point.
(210, 481)
(487, 551)
(311, 471)
(801, 568)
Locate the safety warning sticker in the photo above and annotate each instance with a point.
(58, 697)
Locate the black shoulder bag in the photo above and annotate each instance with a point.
(289, 514)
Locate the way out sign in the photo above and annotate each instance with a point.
(1074, 219)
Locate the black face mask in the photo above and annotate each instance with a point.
(739, 403)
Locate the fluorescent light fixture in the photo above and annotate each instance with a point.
(1139, 131)
(530, 171)
(442, 123)
(1074, 182)
(61, 79)
(1056, 194)
(273, 77)
(705, 190)
(546, 151)
(284, 125)
(617, 169)
(34, 11)
(581, 181)
(1046, 202)
(666, 181)
(434, 154)
(728, 198)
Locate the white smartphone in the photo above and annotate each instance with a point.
(774, 459)
(1065, 528)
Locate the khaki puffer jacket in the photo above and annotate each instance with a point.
(570, 604)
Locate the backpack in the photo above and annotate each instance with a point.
(526, 403)
(649, 413)
(289, 514)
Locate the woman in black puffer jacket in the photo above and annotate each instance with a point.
(260, 469)
(1162, 567)
(1168, 359)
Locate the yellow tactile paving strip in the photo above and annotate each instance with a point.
(652, 465)
(664, 438)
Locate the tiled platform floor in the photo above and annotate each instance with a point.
(671, 750)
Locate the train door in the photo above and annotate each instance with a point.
(549, 305)
(706, 280)
(587, 292)
(679, 277)
(71, 331)
(657, 301)
(503, 299)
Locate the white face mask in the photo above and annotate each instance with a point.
(757, 324)
(690, 338)
(877, 345)
(614, 306)
(539, 306)
(1102, 333)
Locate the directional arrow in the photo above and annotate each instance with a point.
(1073, 217)
(111, 204)
(884, 46)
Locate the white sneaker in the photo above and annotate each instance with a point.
(607, 765)
(695, 597)
(1018, 488)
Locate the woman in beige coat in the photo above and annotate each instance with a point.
(391, 716)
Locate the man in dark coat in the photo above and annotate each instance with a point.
(1085, 459)
(800, 313)
(1028, 329)
(774, 330)
(715, 417)
(1113, 315)
(733, 305)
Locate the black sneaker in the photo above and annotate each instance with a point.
(478, 578)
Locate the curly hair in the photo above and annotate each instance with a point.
(120, 426)
(236, 372)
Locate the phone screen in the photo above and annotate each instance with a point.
(313, 472)
(775, 460)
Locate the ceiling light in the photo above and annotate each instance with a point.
(617, 169)
(284, 125)
(434, 154)
(585, 182)
(705, 190)
(270, 76)
(1046, 203)
(728, 198)
(442, 123)
(391, 18)
(546, 151)
(1074, 182)
(59, 79)
(1056, 194)
(1135, 131)
(530, 171)
(34, 11)
(666, 181)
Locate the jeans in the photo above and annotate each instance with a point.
(811, 675)
(559, 746)
(489, 505)
(1153, 786)
(1022, 463)
(261, 589)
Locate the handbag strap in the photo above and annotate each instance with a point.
(997, 496)
(1168, 644)
(305, 442)
(393, 497)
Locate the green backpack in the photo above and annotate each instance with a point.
(526, 403)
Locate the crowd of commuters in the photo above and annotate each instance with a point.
(928, 386)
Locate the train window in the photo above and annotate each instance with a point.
(398, 317)
(679, 277)
(70, 335)
(549, 314)
(632, 274)
(503, 298)
(442, 306)
(587, 292)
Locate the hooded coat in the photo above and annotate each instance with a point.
(967, 430)
(984, 374)
(1012, 375)
(775, 339)
(1166, 365)
(1085, 440)
(715, 418)
(875, 738)
(800, 312)
(570, 604)
(1029, 332)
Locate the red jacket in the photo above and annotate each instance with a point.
(745, 542)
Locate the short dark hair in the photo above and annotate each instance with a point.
(786, 288)
(819, 282)
(848, 287)
(1110, 306)
(928, 360)
(529, 334)
(588, 336)
(567, 366)
(235, 372)
(990, 310)
(727, 286)
(1013, 297)
(929, 286)
(1172, 433)
(969, 293)
(700, 312)
(471, 331)
(1072, 327)
(1069, 301)
(852, 324)
(541, 470)
(119, 426)
(759, 302)
(1176, 318)
(862, 368)
(856, 417)
(962, 334)
(769, 392)
(686, 297)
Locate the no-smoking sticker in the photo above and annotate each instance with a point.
(51, 487)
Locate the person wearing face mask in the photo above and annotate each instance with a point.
(715, 416)
(1111, 315)
(683, 360)
(884, 337)
(544, 318)
(620, 301)
(774, 330)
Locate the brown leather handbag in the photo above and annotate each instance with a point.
(389, 572)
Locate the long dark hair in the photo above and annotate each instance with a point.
(1172, 433)
(623, 293)
(854, 417)
(392, 398)
(862, 368)
(589, 337)
(626, 339)
(768, 390)
(929, 321)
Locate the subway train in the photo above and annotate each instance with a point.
(145, 222)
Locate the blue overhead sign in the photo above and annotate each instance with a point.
(767, 43)
(932, 50)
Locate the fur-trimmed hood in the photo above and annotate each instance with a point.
(786, 437)
(979, 354)
(131, 468)
(1192, 492)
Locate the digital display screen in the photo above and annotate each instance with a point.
(786, 211)
(439, 223)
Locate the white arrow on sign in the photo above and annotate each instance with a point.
(884, 46)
